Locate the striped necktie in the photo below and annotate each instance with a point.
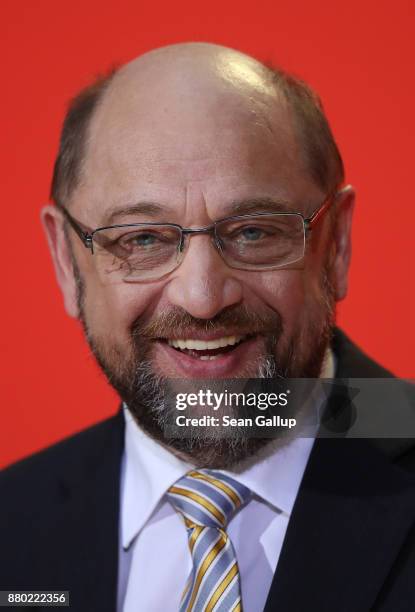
(207, 499)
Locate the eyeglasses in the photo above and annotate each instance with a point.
(148, 251)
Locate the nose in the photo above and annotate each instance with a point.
(203, 284)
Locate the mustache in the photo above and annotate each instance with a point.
(240, 319)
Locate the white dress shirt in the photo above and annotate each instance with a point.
(155, 561)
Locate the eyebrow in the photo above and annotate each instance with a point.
(254, 205)
(150, 209)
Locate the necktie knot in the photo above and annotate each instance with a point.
(208, 497)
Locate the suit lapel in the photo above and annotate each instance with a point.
(348, 524)
(90, 564)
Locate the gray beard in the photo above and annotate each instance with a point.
(149, 398)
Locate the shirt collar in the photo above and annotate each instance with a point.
(150, 469)
(274, 475)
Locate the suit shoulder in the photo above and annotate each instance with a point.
(352, 362)
(54, 503)
(65, 456)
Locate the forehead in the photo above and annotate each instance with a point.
(192, 144)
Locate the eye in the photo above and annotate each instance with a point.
(252, 233)
(143, 239)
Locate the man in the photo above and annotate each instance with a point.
(200, 137)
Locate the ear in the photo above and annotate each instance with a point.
(52, 222)
(344, 204)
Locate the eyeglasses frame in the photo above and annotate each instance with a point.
(87, 236)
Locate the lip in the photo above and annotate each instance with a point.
(226, 365)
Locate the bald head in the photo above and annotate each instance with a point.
(181, 86)
(184, 102)
(190, 65)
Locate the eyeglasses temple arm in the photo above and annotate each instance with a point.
(310, 222)
(84, 234)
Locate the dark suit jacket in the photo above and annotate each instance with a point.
(349, 547)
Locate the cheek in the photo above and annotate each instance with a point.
(110, 310)
(293, 293)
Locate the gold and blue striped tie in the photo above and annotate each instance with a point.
(207, 499)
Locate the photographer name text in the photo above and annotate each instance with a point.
(227, 421)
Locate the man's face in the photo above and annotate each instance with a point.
(193, 158)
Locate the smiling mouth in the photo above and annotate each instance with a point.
(206, 350)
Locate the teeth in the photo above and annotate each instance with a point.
(202, 345)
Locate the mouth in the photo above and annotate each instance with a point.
(217, 356)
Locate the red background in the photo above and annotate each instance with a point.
(359, 55)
